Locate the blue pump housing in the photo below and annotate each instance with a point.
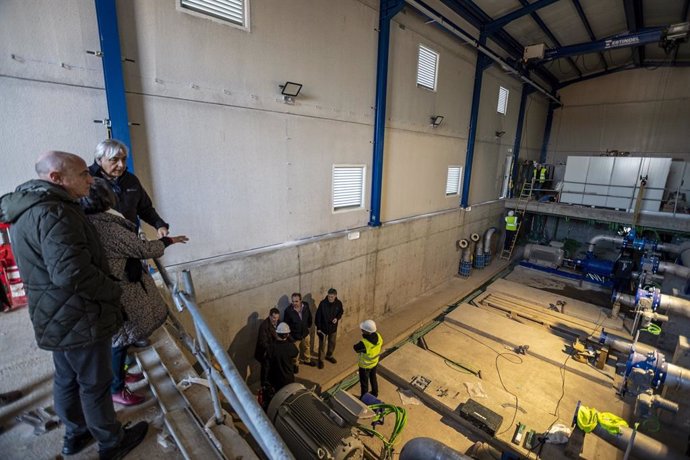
(651, 362)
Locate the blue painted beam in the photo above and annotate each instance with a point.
(387, 9)
(635, 22)
(482, 64)
(527, 8)
(106, 15)
(643, 37)
(630, 66)
(588, 27)
(547, 132)
(526, 91)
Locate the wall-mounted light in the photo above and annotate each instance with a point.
(290, 90)
(500, 133)
(436, 121)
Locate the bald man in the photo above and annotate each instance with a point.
(74, 304)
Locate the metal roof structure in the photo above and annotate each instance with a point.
(511, 25)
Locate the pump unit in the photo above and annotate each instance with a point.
(313, 430)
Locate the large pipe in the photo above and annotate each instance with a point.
(674, 269)
(466, 252)
(671, 304)
(429, 449)
(667, 303)
(487, 239)
(622, 345)
(642, 445)
(599, 238)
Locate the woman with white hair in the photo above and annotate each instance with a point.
(110, 163)
(144, 308)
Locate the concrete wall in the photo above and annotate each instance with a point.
(640, 111)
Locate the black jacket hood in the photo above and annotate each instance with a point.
(27, 195)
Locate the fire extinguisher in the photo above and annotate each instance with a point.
(12, 293)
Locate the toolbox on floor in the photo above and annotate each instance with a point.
(483, 418)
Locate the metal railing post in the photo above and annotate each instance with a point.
(207, 364)
(231, 384)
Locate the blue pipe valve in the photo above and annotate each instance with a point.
(642, 369)
(650, 298)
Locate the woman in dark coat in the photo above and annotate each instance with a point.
(145, 309)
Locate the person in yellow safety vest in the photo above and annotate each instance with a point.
(369, 349)
(511, 228)
(535, 167)
(542, 175)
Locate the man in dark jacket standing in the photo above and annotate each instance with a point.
(264, 340)
(327, 318)
(110, 164)
(298, 317)
(282, 358)
(73, 302)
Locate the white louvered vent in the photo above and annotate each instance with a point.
(348, 187)
(233, 11)
(453, 181)
(502, 100)
(427, 68)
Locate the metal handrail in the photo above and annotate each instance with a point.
(230, 384)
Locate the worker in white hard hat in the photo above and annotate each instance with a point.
(369, 349)
(511, 229)
(282, 359)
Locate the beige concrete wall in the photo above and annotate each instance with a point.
(641, 111)
(375, 275)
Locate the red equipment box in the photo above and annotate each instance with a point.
(12, 294)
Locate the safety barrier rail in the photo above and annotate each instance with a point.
(206, 347)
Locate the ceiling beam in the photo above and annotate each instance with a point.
(551, 36)
(588, 27)
(469, 11)
(528, 8)
(635, 22)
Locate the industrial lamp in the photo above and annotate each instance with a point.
(436, 121)
(290, 90)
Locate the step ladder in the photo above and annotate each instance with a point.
(520, 208)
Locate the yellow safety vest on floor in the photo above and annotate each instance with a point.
(511, 223)
(370, 357)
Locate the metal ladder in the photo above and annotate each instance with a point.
(523, 200)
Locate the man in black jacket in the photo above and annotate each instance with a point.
(73, 302)
(264, 340)
(327, 318)
(110, 164)
(282, 356)
(298, 317)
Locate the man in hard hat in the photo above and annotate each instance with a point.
(282, 357)
(369, 349)
(264, 340)
(511, 229)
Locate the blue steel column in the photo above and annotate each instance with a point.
(526, 91)
(483, 62)
(106, 14)
(387, 9)
(547, 131)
